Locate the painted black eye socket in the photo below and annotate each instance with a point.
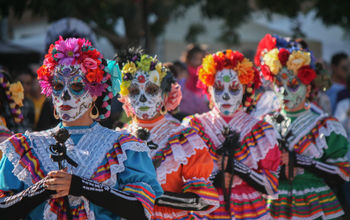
(133, 91)
(234, 88)
(218, 88)
(57, 86)
(152, 89)
(77, 87)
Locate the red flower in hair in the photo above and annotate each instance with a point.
(94, 76)
(265, 44)
(234, 57)
(306, 75)
(283, 56)
(265, 70)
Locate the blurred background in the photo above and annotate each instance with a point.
(180, 32)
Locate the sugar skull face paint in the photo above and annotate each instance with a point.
(227, 91)
(145, 96)
(289, 89)
(70, 96)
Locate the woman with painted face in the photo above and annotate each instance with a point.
(314, 146)
(180, 157)
(79, 169)
(244, 149)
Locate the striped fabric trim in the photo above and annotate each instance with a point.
(78, 212)
(5, 133)
(306, 205)
(180, 138)
(205, 190)
(28, 160)
(103, 172)
(198, 127)
(246, 206)
(144, 193)
(272, 179)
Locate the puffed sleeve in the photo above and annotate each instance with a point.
(139, 179)
(197, 171)
(336, 152)
(264, 146)
(9, 183)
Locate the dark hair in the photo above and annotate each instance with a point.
(192, 49)
(172, 67)
(302, 43)
(12, 115)
(338, 57)
(103, 102)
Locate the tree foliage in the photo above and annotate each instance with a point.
(102, 15)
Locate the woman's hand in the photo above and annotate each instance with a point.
(59, 181)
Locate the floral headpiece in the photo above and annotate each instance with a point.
(76, 51)
(149, 65)
(228, 59)
(102, 77)
(14, 94)
(234, 60)
(268, 43)
(297, 61)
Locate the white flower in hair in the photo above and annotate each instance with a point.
(154, 77)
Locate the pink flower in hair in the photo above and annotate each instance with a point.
(126, 105)
(174, 97)
(46, 87)
(88, 63)
(67, 51)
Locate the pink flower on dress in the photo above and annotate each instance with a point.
(68, 51)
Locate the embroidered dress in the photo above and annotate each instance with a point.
(118, 160)
(259, 151)
(308, 196)
(183, 165)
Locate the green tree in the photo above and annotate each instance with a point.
(102, 16)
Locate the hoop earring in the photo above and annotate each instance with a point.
(92, 115)
(55, 115)
(163, 111)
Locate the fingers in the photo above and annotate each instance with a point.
(56, 181)
(58, 173)
(59, 194)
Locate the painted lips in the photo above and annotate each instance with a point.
(144, 108)
(226, 105)
(65, 107)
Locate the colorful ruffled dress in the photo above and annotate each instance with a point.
(308, 196)
(118, 160)
(183, 165)
(259, 151)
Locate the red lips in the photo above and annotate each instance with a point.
(65, 107)
(226, 105)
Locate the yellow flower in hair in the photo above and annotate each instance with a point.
(208, 64)
(130, 67)
(124, 88)
(245, 71)
(272, 61)
(145, 63)
(298, 59)
(16, 90)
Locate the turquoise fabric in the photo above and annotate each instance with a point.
(139, 170)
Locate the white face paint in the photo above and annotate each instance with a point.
(145, 96)
(70, 96)
(227, 91)
(290, 91)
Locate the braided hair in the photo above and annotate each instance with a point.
(9, 109)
